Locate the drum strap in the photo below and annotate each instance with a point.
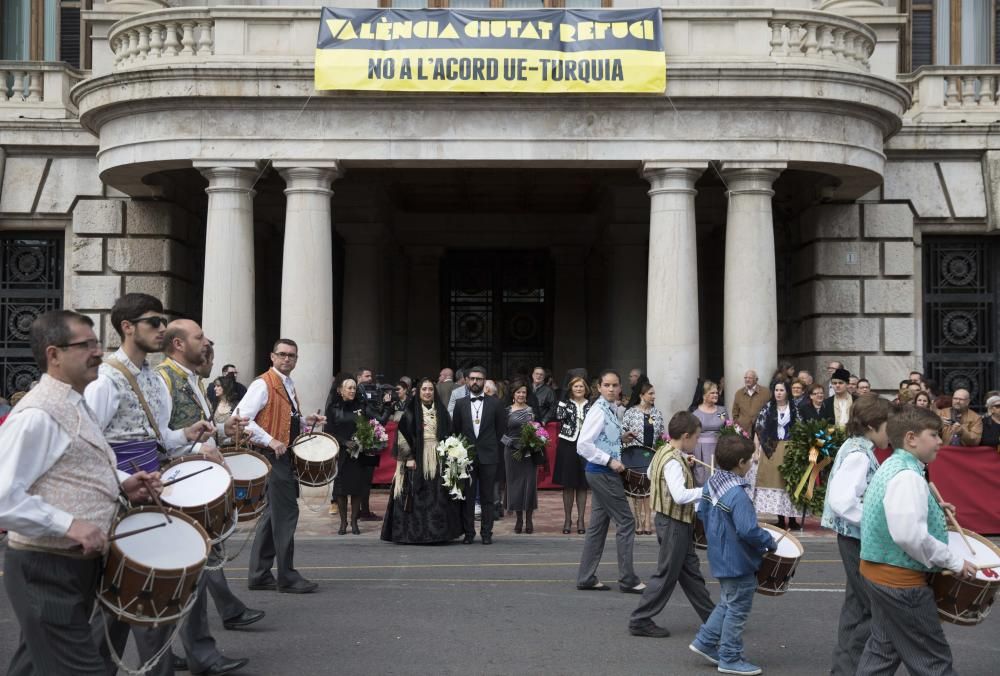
(134, 384)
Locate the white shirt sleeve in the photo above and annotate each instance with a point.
(906, 515)
(673, 474)
(32, 444)
(250, 405)
(593, 425)
(102, 398)
(848, 487)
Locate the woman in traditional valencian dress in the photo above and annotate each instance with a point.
(421, 511)
(774, 427)
(642, 425)
(712, 417)
(568, 471)
(522, 475)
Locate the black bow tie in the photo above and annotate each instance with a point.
(477, 399)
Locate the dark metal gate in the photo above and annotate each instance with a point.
(31, 282)
(961, 331)
(498, 310)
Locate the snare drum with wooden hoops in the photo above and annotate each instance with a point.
(250, 471)
(636, 483)
(149, 577)
(968, 602)
(777, 568)
(208, 498)
(314, 457)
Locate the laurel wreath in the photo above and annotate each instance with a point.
(807, 435)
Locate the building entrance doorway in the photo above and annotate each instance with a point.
(498, 310)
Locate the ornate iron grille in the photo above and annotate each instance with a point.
(31, 281)
(960, 306)
(498, 312)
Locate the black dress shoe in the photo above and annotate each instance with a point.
(300, 587)
(180, 663)
(264, 585)
(487, 539)
(244, 619)
(225, 666)
(469, 539)
(649, 629)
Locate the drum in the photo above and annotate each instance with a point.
(700, 539)
(637, 457)
(314, 457)
(636, 483)
(250, 471)
(968, 602)
(208, 498)
(149, 577)
(777, 568)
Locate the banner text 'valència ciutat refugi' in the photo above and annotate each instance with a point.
(539, 51)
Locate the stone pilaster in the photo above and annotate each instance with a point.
(750, 307)
(672, 336)
(307, 276)
(423, 310)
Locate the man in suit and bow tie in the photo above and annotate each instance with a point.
(482, 420)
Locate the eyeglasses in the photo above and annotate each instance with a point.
(284, 355)
(91, 345)
(155, 322)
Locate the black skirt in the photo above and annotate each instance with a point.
(435, 517)
(569, 470)
(353, 477)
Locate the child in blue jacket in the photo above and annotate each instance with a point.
(736, 544)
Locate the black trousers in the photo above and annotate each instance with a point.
(275, 535)
(52, 597)
(483, 476)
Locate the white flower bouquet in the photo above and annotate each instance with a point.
(455, 456)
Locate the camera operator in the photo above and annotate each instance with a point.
(379, 399)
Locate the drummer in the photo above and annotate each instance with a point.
(642, 425)
(272, 405)
(904, 537)
(58, 497)
(186, 347)
(133, 408)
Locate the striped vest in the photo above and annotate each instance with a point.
(831, 520)
(877, 545)
(186, 410)
(662, 500)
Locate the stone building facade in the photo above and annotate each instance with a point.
(793, 194)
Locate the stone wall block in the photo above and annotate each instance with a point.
(175, 294)
(155, 218)
(87, 254)
(885, 372)
(842, 259)
(95, 292)
(888, 220)
(897, 258)
(826, 296)
(839, 335)
(111, 339)
(146, 255)
(899, 334)
(831, 221)
(99, 217)
(889, 296)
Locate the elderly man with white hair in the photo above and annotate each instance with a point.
(749, 400)
(962, 427)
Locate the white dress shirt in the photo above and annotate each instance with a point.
(32, 442)
(593, 425)
(476, 407)
(673, 474)
(255, 400)
(848, 486)
(906, 516)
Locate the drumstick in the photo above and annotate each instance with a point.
(152, 493)
(783, 534)
(703, 464)
(315, 422)
(951, 517)
(119, 536)
(186, 476)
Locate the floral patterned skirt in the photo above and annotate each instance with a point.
(770, 496)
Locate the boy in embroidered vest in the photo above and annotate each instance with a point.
(674, 494)
(736, 544)
(852, 471)
(600, 444)
(903, 539)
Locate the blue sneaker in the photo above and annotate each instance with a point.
(710, 654)
(743, 668)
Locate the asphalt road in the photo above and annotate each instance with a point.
(512, 608)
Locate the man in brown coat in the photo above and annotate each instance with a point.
(962, 427)
(748, 401)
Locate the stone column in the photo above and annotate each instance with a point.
(423, 311)
(750, 307)
(228, 307)
(672, 325)
(569, 339)
(307, 276)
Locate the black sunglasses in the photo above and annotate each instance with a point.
(155, 322)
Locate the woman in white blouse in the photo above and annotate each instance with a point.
(774, 427)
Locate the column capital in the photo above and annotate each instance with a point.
(672, 176)
(744, 178)
(309, 178)
(230, 177)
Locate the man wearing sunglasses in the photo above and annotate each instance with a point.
(132, 407)
(273, 406)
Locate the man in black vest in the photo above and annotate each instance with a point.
(482, 420)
